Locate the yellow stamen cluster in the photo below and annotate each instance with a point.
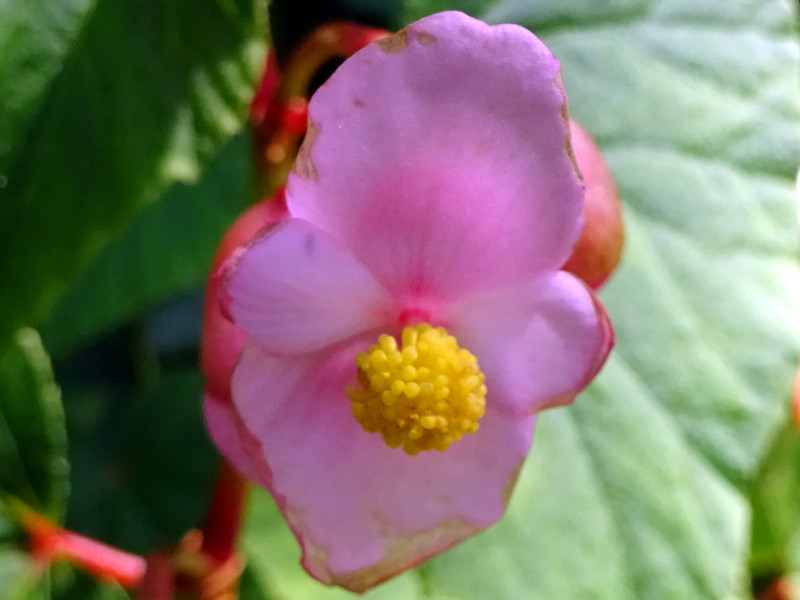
(422, 396)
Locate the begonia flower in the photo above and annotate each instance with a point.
(405, 322)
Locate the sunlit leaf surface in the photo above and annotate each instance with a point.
(109, 102)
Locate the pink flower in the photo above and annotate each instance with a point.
(406, 321)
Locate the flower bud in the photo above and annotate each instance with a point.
(598, 250)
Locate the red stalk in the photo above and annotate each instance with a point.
(225, 515)
(50, 542)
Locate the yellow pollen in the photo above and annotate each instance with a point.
(423, 394)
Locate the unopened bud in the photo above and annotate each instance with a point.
(598, 250)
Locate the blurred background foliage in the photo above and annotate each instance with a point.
(124, 156)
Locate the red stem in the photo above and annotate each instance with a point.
(225, 515)
(101, 560)
(50, 542)
(280, 110)
(159, 581)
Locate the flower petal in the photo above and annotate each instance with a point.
(361, 510)
(222, 340)
(297, 289)
(539, 343)
(238, 446)
(440, 156)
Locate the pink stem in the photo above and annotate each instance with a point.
(50, 542)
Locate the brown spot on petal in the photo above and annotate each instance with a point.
(404, 551)
(559, 83)
(302, 164)
(511, 482)
(394, 43)
(426, 39)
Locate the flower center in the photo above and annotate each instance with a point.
(423, 396)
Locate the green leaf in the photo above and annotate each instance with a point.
(166, 251)
(34, 40)
(33, 443)
(143, 467)
(640, 490)
(145, 95)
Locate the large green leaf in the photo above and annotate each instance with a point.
(166, 251)
(640, 490)
(144, 95)
(33, 443)
(34, 39)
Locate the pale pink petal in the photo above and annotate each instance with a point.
(439, 155)
(297, 290)
(539, 343)
(238, 446)
(361, 510)
(222, 340)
